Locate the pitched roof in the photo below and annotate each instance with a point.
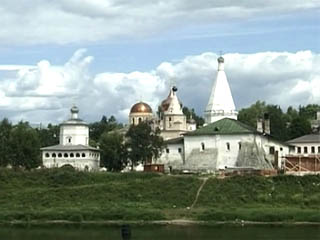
(69, 148)
(310, 138)
(178, 140)
(223, 126)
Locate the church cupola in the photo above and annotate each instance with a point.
(220, 104)
(74, 112)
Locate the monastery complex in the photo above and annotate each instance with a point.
(222, 144)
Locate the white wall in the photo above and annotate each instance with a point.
(79, 134)
(174, 158)
(90, 162)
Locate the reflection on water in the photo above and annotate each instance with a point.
(164, 233)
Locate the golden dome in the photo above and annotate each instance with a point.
(141, 107)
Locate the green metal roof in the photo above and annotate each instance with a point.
(223, 126)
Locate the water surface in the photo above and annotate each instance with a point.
(164, 233)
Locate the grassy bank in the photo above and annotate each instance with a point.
(62, 194)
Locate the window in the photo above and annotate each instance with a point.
(202, 146)
(133, 121)
(78, 155)
(47, 155)
(281, 149)
(228, 146)
(239, 145)
(299, 149)
(305, 150)
(179, 150)
(271, 150)
(59, 155)
(169, 118)
(318, 149)
(54, 155)
(83, 155)
(140, 120)
(71, 155)
(313, 150)
(65, 155)
(167, 150)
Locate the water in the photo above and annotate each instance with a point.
(164, 233)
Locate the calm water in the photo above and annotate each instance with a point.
(164, 233)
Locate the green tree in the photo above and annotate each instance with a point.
(5, 129)
(191, 114)
(309, 111)
(48, 136)
(143, 143)
(250, 115)
(299, 126)
(24, 146)
(105, 125)
(113, 151)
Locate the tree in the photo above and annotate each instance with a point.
(113, 151)
(105, 125)
(191, 114)
(24, 146)
(250, 115)
(48, 136)
(5, 129)
(299, 126)
(143, 143)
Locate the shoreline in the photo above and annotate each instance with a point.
(174, 222)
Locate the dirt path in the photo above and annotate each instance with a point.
(198, 192)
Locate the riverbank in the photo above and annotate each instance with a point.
(68, 197)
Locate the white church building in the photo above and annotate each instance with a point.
(73, 148)
(224, 142)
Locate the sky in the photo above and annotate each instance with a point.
(106, 55)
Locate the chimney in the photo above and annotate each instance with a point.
(266, 121)
(260, 125)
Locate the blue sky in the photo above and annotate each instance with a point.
(160, 41)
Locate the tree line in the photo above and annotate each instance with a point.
(284, 125)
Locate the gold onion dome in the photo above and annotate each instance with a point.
(141, 107)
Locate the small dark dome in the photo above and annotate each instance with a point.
(174, 88)
(141, 107)
(220, 60)
(74, 109)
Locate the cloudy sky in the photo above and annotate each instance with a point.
(105, 55)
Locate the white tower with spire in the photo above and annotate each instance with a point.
(220, 103)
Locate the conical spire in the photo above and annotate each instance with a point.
(220, 103)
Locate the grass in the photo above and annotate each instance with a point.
(64, 194)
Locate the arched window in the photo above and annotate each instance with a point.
(139, 119)
(65, 155)
(54, 155)
(71, 155)
(78, 155)
(228, 146)
(133, 121)
(59, 155)
(69, 139)
(239, 145)
(47, 155)
(202, 146)
(83, 155)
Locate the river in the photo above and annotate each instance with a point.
(164, 233)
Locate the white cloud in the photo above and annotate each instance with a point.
(68, 21)
(44, 93)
